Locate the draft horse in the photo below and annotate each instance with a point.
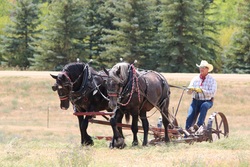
(136, 92)
(85, 88)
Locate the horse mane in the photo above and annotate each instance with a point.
(124, 72)
(73, 69)
(73, 66)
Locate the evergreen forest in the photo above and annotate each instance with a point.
(163, 35)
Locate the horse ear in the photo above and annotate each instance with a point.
(105, 70)
(53, 76)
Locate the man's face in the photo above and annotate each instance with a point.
(203, 71)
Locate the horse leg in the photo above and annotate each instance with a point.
(134, 128)
(165, 123)
(83, 125)
(145, 126)
(119, 117)
(80, 120)
(118, 139)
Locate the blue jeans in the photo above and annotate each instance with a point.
(198, 107)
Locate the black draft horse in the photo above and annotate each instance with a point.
(136, 92)
(85, 88)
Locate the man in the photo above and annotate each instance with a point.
(203, 88)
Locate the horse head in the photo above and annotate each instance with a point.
(68, 81)
(117, 78)
(63, 86)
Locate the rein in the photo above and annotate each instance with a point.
(97, 87)
(179, 87)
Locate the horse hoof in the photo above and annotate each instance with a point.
(88, 143)
(135, 143)
(111, 145)
(119, 143)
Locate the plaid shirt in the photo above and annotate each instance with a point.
(209, 87)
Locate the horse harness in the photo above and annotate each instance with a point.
(129, 88)
(87, 86)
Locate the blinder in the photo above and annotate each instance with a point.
(55, 87)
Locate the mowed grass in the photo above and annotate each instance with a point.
(34, 131)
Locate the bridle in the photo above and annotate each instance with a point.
(135, 87)
(68, 83)
(112, 93)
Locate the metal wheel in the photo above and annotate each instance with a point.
(217, 126)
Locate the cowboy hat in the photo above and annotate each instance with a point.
(204, 63)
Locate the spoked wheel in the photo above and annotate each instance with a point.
(217, 126)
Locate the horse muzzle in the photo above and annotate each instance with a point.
(113, 97)
(63, 108)
(64, 104)
(112, 103)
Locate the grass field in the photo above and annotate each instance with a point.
(34, 131)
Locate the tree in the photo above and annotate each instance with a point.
(239, 53)
(97, 18)
(180, 36)
(63, 40)
(18, 43)
(132, 37)
(4, 13)
(185, 35)
(227, 11)
(209, 29)
(156, 47)
(4, 19)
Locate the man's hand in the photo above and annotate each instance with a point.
(198, 90)
(191, 88)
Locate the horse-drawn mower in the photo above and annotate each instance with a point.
(216, 128)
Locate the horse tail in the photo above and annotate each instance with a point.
(127, 117)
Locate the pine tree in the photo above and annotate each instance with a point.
(132, 38)
(4, 18)
(63, 41)
(239, 53)
(209, 29)
(18, 45)
(4, 13)
(155, 7)
(181, 36)
(97, 19)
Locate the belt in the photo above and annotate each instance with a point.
(212, 99)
